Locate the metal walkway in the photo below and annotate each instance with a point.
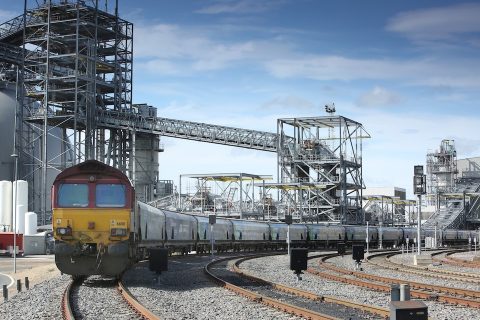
(196, 131)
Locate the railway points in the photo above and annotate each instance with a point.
(466, 260)
(386, 260)
(339, 269)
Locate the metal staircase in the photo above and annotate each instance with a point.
(454, 214)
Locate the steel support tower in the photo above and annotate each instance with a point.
(321, 168)
(441, 173)
(75, 59)
(72, 61)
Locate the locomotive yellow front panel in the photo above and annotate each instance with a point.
(91, 225)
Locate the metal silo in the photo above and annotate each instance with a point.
(55, 148)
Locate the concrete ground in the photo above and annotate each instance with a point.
(37, 268)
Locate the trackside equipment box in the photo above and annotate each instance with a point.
(408, 310)
(298, 259)
(158, 259)
(358, 252)
(341, 248)
(34, 244)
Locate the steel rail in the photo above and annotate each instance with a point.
(386, 288)
(134, 304)
(309, 295)
(285, 307)
(67, 312)
(423, 271)
(459, 262)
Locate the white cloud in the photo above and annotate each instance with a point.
(160, 66)
(378, 96)
(428, 72)
(289, 102)
(243, 6)
(437, 23)
(184, 50)
(179, 49)
(321, 67)
(400, 141)
(466, 147)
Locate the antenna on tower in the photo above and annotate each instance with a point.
(330, 108)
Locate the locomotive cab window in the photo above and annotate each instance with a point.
(72, 195)
(110, 196)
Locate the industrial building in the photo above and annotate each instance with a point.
(453, 199)
(67, 82)
(66, 96)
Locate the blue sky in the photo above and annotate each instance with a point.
(407, 70)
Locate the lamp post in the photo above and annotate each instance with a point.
(212, 219)
(288, 221)
(15, 193)
(367, 239)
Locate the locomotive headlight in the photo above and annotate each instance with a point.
(64, 231)
(118, 232)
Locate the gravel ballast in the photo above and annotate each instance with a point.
(435, 310)
(184, 292)
(276, 269)
(407, 259)
(98, 298)
(42, 301)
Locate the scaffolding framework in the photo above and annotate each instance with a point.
(390, 211)
(223, 194)
(321, 168)
(72, 61)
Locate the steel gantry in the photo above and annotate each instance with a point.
(72, 61)
(325, 159)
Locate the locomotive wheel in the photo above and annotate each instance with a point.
(77, 277)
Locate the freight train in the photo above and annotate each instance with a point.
(100, 229)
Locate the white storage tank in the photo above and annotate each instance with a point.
(20, 223)
(30, 223)
(22, 195)
(6, 204)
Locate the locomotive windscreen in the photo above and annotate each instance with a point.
(73, 195)
(110, 195)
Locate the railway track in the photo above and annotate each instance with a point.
(455, 296)
(383, 260)
(131, 309)
(287, 299)
(457, 261)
